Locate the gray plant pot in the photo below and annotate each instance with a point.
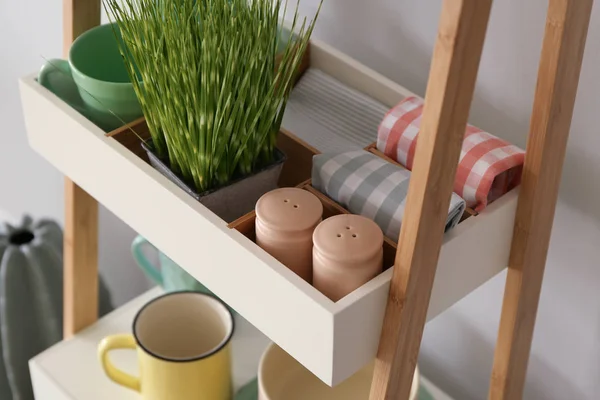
(233, 200)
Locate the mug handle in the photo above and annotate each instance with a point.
(152, 271)
(49, 67)
(115, 342)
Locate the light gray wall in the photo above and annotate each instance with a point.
(395, 37)
(30, 33)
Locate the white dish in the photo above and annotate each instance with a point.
(280, 377)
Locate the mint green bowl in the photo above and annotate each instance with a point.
(97, 68)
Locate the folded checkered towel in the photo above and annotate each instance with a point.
(488, 168)
(368, 185)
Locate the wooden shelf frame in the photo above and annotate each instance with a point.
(81, 210)
(451, 83)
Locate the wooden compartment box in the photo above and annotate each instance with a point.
(333, 340)
(246, 224)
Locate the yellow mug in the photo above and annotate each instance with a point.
(183, 346)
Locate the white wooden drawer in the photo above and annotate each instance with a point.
(333, 340)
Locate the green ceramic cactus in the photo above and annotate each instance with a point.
(31, 300)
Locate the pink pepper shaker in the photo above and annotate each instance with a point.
(285, 221)
(347, 253)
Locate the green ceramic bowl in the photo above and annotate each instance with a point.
(96, 66)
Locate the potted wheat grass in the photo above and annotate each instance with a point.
(213, 97)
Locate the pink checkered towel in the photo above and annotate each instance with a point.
(488, 168)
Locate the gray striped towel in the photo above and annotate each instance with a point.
(368, 185)
(331, 116)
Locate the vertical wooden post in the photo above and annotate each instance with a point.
(78, 17)
(452, 78)
(558, 76)
(81, 210)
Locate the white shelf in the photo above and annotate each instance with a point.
(70, 370)
(333, 340)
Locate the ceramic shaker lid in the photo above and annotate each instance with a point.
(348, 238)
(289, 209)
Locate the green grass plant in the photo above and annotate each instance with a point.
(205, 75)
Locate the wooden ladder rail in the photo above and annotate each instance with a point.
(80, 251)
(558, 76)
(410, 290)
(455, 62)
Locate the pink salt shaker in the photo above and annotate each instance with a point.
(347, 253)
(285, 221)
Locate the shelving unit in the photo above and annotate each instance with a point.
(431, 271)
